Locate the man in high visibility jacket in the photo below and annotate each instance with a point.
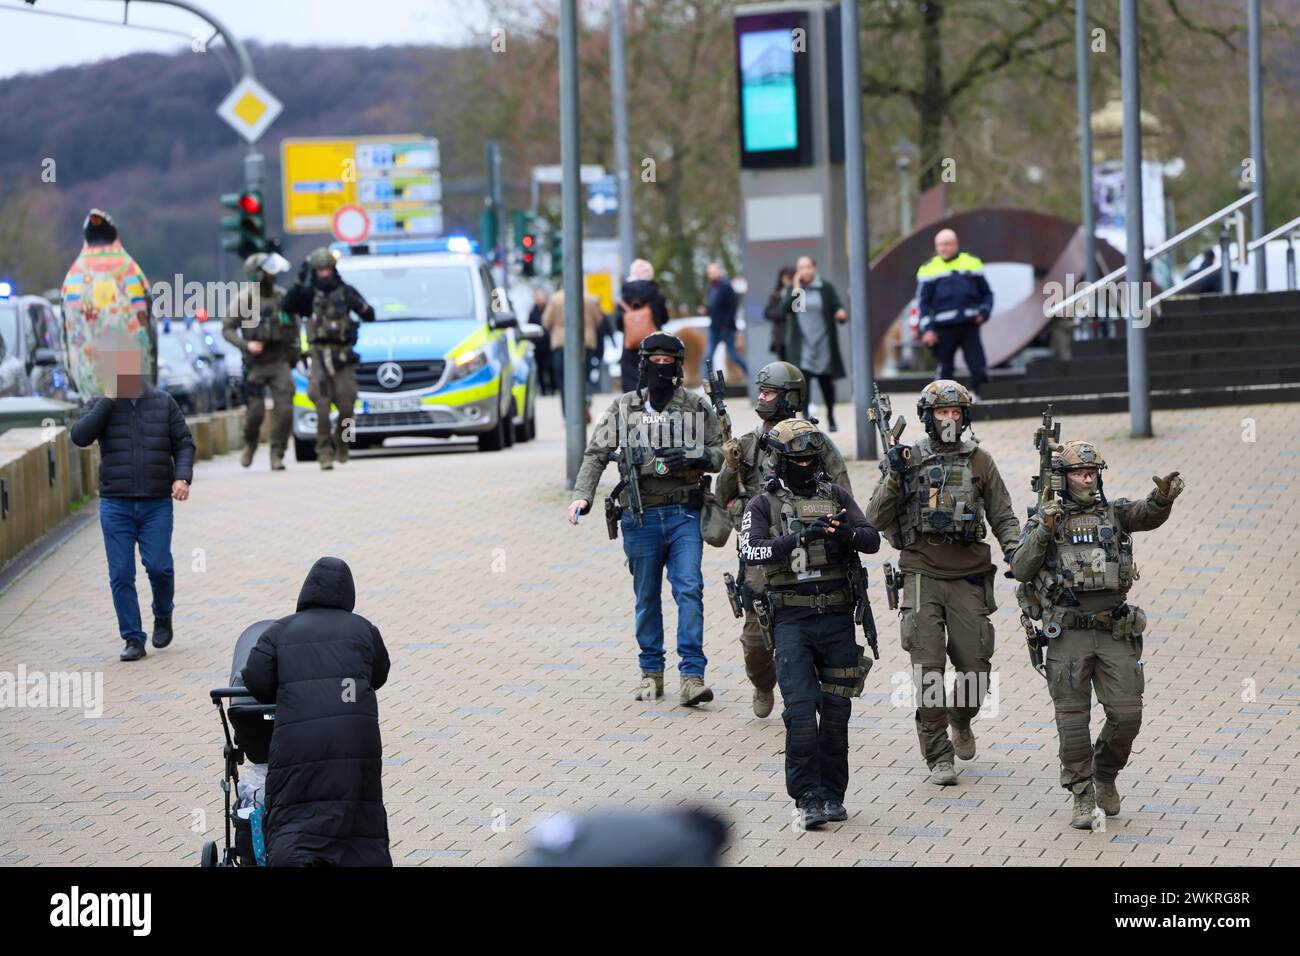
(953, 300)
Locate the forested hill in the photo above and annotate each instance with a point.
(139, 137)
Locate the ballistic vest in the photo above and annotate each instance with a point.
(274, 326)
(1088, 552)
(663, 429)
(331, 320)
(945, 501)
(793, 513)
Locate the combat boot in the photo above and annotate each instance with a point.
(1107, 797)
(963, 742)
(763, 701)
(812, 811)
(341, 452)
(246, 459)
(835, 810)
(694, 692)
(943, 775)
(651, 686)
(1084, 805)
(277, 461)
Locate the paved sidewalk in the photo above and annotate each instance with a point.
(514, 658)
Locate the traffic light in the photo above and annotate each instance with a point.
(248, 226)
(528, 254)
(557, 252)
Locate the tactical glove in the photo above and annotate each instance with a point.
(897, 461)
(731, 452)
(1169, 487)
(1051, 515)
(819, 529)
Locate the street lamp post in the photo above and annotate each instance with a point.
(905, 152)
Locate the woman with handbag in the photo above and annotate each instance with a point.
(641, 311)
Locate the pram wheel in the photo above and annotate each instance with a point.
(208, 855)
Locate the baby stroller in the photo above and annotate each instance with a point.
(251, 724)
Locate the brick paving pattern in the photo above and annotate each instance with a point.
(514, 659)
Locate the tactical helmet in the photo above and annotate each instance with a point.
(791, 388)
(662, 343)
(944, 393)
(321, 258)
(792, 438)
(271, 263)
(1079, 454)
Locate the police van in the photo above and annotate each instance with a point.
(438, 361)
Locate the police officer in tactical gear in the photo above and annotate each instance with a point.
(804, 532)
(932, 503)
(666, 439)
(782, 392)
(1075, 562)
(328, 302)
(268, 338)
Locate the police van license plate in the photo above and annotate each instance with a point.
(391, 405)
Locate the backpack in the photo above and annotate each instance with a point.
(638, 322)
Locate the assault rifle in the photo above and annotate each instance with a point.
(629, 458)
(879, 412)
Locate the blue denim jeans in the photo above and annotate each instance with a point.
(667, 538)
(725, 337)
(148, 522)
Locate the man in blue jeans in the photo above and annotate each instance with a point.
(146, 461)
(672, 437)
(721, 310)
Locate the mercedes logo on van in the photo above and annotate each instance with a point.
(389, 375)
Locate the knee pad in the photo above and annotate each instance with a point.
(1125, 720)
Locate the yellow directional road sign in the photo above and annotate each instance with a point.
(396, 179)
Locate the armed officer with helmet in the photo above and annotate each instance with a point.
(804, 532)
(666, 439)
(1075, 562)
(329, 302)
(271, 349)
(782, 392)
(932, 503)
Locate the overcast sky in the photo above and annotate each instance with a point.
(30, 42)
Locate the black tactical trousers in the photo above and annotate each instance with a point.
(816, 753)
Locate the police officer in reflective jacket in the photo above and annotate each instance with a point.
(1075, 562)
(932, 503)
(268, 337)
(782, 392)
(666, 439)
(328, 302)
(805, 533)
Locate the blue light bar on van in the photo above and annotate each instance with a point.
(401, 247)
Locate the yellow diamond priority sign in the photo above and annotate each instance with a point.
(249, 108)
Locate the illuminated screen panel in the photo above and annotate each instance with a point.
(773, 85)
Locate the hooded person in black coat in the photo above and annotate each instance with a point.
(321, 668)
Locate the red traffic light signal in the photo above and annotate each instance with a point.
(528, 241)
(250, 203)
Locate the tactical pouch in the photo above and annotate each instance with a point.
(1133, 625)
(715, 520)
(834, 679)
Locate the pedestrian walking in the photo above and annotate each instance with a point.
(321, 666)
(812, 343)
(146, 463)
(641, 311)
(721, 310)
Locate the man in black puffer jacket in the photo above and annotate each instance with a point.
(321, 668)
(146, 460)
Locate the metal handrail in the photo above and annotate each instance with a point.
(1182, 284)
(1164, 247)
(1262, 240)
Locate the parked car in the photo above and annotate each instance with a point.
(184, 370)
(234, 360)
(216, 362)
(33, 359)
